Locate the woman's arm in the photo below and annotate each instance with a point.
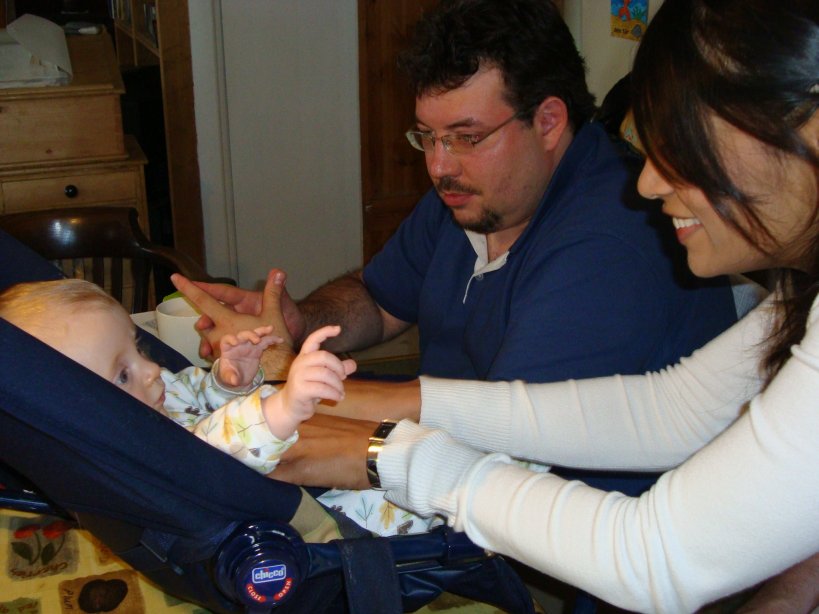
(634, 422)
(741, 509)
(603, 423)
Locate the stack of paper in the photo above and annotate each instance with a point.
(33, 53)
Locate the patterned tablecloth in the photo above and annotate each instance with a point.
(50, 568)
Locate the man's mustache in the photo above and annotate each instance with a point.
(450, 184)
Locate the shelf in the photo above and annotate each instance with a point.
(135, 48)
(147, 43)
(157, 32)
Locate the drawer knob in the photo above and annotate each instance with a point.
(71, 190)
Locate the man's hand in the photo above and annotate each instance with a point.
(331, 452)
(243, 310)
(794, 591)
(240, 355)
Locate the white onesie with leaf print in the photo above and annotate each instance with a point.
(231, 420)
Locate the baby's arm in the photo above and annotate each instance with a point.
(240, 355)
(315, 375)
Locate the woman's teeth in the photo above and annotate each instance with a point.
(684, 222)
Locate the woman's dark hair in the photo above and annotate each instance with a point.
(754, 64)
(526, 39)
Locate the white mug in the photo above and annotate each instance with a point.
(174, 321)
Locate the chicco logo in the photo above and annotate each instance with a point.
(269, 574)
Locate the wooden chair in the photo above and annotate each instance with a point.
(95, 243)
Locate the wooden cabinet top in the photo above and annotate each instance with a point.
(67, 124)
(95, 67)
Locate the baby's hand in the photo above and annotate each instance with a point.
(315, 375)
(240, 355)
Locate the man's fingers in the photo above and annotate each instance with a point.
(205, 348)
(203, 301)
(204, 323)
(272, 303)
(224, 293)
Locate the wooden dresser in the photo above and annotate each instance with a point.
(63, 146)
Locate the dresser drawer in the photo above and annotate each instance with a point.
(57, 130)
(70, 190)
(74, 123)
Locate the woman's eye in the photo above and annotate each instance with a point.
(122, 378)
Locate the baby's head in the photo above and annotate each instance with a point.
(78, 319)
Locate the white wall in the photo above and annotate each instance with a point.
(207, 63)
(608, 58)
(276, 94)
(276, 89)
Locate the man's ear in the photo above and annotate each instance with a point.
(551, 121)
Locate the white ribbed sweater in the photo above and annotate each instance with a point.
(740, 502)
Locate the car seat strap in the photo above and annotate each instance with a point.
(151, 553)
(370, 577)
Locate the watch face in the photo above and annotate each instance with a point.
(383, 430)
(372, 473)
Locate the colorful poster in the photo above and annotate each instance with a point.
(629, 18)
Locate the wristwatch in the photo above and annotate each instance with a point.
(376, 442)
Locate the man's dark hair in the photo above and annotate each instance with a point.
(526, 39)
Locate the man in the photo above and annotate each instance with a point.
(532, 258)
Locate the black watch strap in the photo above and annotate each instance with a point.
(376, 442)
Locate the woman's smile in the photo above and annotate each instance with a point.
(685, 227)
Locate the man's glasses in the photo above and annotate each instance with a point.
(454, 143)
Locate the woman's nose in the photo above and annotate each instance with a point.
(651, 184)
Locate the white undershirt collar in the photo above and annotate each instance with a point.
(478, 242)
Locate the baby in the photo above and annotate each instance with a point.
(228, 407)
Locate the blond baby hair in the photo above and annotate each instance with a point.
(30, 304)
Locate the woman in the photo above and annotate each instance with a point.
(726, 97)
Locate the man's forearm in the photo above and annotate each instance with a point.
(344, 301)
(794, 590)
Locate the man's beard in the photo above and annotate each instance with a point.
(488, 223)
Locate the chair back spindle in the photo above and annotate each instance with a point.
(103, 244)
